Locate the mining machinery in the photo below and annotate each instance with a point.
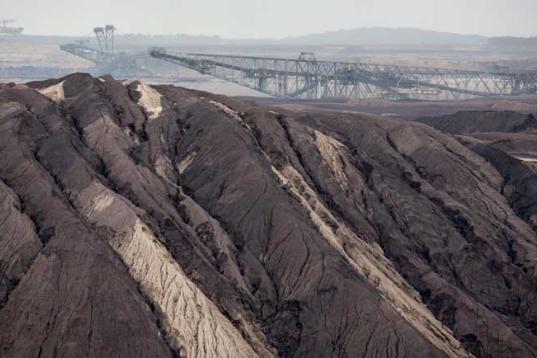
(106, 59)
(105, 38)
(7, 30)
(309, 78)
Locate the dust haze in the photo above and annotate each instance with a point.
(268, 179)
(272, 19)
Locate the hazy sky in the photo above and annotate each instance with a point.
(271, 18)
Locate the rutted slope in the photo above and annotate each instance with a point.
(368, 260)
(76, 298)
(482, 121)
(19, 243)
(391, 200)
(224, 229)
(511, 148)
(520, 185)
(192, 322)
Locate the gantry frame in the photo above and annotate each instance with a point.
(307, 77)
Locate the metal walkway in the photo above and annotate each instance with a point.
(307, 77)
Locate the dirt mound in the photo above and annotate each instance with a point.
(482, 121)
(142, 221)
(508, 140)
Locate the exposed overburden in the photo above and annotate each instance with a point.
(142, 221)
(482, 122)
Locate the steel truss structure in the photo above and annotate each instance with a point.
(308, 78)
(107, 60)
(105, 38)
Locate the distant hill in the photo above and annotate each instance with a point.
(353, 37)
(374, 36)
(513, 42)
(386, 36)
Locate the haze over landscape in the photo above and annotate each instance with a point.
(266, 179)
(273, 19)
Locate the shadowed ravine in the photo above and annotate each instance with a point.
(142, 221)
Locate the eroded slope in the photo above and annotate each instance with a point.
(180, 223)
